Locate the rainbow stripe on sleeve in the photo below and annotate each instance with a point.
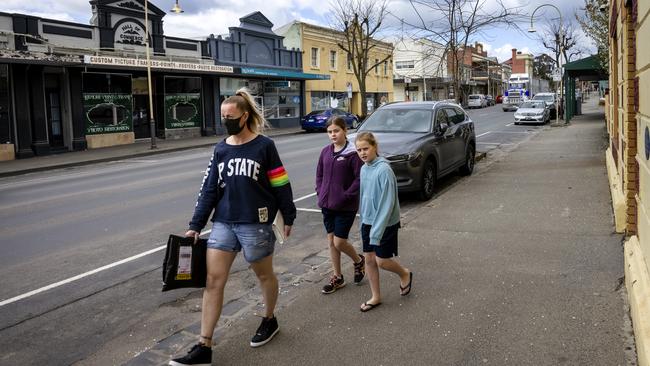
(278, 177)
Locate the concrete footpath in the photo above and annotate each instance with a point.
(518, 264)
(138, 149)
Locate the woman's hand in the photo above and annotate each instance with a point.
(287, 230)
(192, 234)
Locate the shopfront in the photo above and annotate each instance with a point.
(88, 87)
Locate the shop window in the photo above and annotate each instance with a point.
(107, 102)
(106, 83)
(183, 108)
(314, 57)
(324, 100)
(281, 99)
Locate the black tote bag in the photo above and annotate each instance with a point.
(185, 263)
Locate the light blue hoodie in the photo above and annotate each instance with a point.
(379, 205)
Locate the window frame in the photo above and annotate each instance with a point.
(333, 62)
(315, 57)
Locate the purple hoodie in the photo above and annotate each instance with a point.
(337, 178)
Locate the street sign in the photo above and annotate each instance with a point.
(556, 75)
(407, 80)
(349, 88)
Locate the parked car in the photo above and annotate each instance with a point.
(534, 111)
(476, 101)
(317, 120)
(499, 99)
(423, 141)
(550, 99)
(490, 100)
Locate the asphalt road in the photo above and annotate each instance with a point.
(59, 224)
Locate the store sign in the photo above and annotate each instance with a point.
(107, 113)
(130, 33)
(283, 73)
(183, 110)
(155, 64)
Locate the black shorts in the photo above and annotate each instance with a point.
(338, 222)
(387, 247)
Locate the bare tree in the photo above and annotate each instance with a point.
(455, 24)
(360, 21)
(570, 44)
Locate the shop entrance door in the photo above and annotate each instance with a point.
(140, 91)
(53, 109)
(141, 116)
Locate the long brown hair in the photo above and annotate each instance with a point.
(245, 103)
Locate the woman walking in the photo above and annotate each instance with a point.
(380, 219)
(337, 185)
(245, 184)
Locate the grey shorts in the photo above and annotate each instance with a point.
(257, 241)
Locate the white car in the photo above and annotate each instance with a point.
(532, 111)
(476, 101)
(550, 99)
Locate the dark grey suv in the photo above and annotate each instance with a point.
(423, 141)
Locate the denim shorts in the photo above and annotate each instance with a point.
(338, 222)
(256, 240)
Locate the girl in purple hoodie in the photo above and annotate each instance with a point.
(337, 186)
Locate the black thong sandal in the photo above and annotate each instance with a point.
(406, 289)
(367, 307)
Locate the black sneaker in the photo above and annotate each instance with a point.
(335, 284)
(198, 355)
(359, 270)
(265, 332)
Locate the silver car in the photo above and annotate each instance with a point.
(532, 111)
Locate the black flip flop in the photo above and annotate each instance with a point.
(407, 289)
(368, 307)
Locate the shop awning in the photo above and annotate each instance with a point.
(285, 74)
(586, 69)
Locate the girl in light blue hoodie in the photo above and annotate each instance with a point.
(379, 211)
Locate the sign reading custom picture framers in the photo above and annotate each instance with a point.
(183, 110)
(107, 113)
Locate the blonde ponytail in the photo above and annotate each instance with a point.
(245, 103)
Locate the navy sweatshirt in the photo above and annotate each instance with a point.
(244, 184)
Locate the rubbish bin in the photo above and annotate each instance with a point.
(578, 108)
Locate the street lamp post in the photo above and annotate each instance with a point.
(561, 42)
(152, 122)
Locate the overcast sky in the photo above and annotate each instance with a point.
(204, 17)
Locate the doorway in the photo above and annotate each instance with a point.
(141, 125)
(53, 109)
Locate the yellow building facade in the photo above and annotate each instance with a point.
(628, 155)
(321, 55)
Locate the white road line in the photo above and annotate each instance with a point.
(108, 266)
(305, 197)
(510, 124)
(483, 134)
(308, 210)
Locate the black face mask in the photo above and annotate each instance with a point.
(232, 125)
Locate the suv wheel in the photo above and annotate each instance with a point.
(468, 167)
(428, 180)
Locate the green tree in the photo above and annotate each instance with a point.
(595, 23)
